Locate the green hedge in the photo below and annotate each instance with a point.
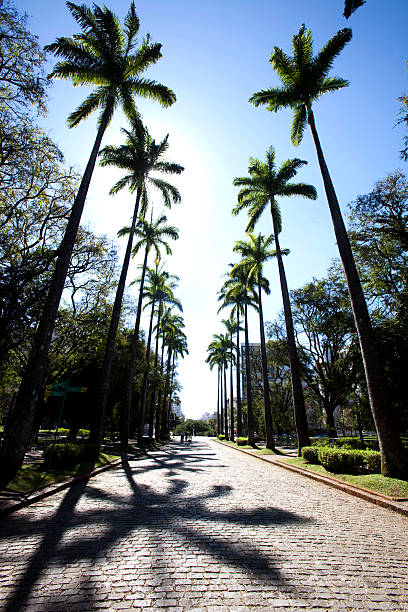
(221, 437)
(242, 441)
(67, 455)
(311, 454)
(349, 461)
(348, 443)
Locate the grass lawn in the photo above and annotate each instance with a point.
(32, 474)
(374, 482)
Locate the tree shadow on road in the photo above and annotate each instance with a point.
(106, 520)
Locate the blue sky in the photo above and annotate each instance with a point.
(215, 56)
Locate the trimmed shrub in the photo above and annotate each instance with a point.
(321, 442)
(221, 437)
(372, 461)
(64, 455)
(311, 454)
(242, 441)
(341, 461)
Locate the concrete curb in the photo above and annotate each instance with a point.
(379, 500)
(11, 506)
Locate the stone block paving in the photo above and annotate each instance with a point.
(201, 527)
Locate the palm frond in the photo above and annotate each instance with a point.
(82, 15)
(350, 6)
(131, 26)
(323, 61)
(300, 189)
(168, 167)
(298, 124)
(275, 98)
(88, 106)
(333, 84)
(152, 90)
(170, 194)
(148, 55)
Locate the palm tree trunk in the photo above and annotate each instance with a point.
(297, 391)
(132, 364)
(18, 433)
(225, 404)
(270, 442)
(218, 404)
(103, 390)
(394, 459)
(156, 360)
(145, 379)
(239, 406)
(231, 396)
(250, 414)
(221, 404)
(166, 393)
(158, 432)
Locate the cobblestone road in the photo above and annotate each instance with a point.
(202, 527)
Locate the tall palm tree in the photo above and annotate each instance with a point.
(305, 78)
(220, 346)
(139, 157)
(152, 235)
(156, 291)
(231, 326)
(236, 302)
(255, 252)
(213, 359)
(176, 343)
(165, 297)
(104, 55)
(263, 185)
(240, 285)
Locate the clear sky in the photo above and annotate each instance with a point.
(215, 56)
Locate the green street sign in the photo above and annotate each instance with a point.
(60, 385)
(57, 393)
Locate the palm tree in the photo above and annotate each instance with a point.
(231, 326)
(221, 344)
(169, 283)
(103, 55)
(263, 185)
(213, 359)
(305, 78)
(151, 235)
(239, 286)
(139, 157)
(156, 291)
(235, 300)
(176, 343)
(255, 252)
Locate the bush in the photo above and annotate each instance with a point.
(372, 461)
(221, 437)
(67, 455)
(84, 433)
(242, 441)
(311, 454)
(64, 455)
(341, 461)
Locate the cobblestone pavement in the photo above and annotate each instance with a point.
(201, 527)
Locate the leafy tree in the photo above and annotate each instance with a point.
(263, 185)
(103, 55)
(305, 78)
(324, 323)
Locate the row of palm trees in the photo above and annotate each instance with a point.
(107, 56)
(305, 78)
